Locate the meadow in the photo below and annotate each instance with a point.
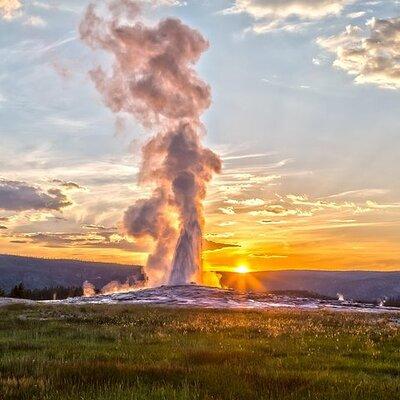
(127, 352)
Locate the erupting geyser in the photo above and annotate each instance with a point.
(186, 265)
(153, 79)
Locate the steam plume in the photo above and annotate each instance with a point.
(153, 79)
(88, 289)
(129, 285)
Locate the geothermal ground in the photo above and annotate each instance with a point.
(208, 297)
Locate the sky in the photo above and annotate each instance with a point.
(304, 116)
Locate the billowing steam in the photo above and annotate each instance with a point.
(129, 285)
(153, 79)
(88, 289)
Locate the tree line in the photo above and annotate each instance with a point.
(393, 302)
(53, 293)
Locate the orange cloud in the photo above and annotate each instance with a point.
(9, 8)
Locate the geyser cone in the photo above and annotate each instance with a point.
(186, 265)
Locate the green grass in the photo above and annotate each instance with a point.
(126, 352)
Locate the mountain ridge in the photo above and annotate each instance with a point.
(38, 273)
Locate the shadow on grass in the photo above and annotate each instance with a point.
(203, 357)
(101, 373)
(373, 370)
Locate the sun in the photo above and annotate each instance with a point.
(242, 269)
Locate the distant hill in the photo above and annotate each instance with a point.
(38, 273)
(355, 285)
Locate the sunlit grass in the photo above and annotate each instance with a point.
(126, 352)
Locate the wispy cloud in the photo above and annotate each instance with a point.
(355, 15)
(35, 20)
(376, 206)
(246, 156)
(68, 123)
(359, 193)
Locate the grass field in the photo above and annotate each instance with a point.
(125, 352)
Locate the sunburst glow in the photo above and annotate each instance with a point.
(242, 269)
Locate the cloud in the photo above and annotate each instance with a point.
(68, 184)
(278, 210)
(220, 235)
(246, 202)
(98, 227)
(287, 15)
(307, 9)
(302, 206)
(246, 156)
(371, 53)
(13, 9)
(375, 206)
(227, 210)
(359, 193)
(3, 227)
(168, 3)
(9, 9)
(267, 256)
(35, 20)
(103, 240)
(227, 223)
(342, 221)
(68, 123)
(319, 205)
(356, 15)
(270, 222)
(70, 8)
(19, 196)
(235, 183)
(209, 245)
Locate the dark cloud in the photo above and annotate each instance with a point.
(267, 256)
(68, 184)
(209, 245)
(3, 227)
(19, 196)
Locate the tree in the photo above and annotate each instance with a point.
(18, 291)
(2, 293)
